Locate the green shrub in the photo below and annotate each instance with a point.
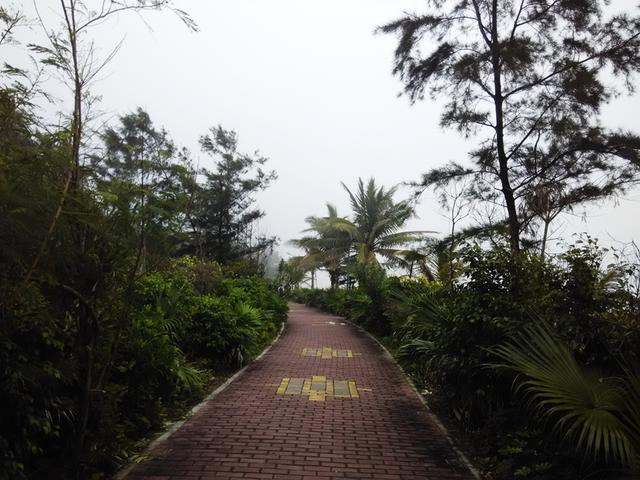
(352, 304)
(150, 380)
(151, 361)
(222, 321)
(448, 331)
(38, 408)
(444, 335)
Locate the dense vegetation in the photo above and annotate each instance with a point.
(533, 353)
(114, 333)
(565, 332)
(129, 280)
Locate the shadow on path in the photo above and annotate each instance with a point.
(324, 403)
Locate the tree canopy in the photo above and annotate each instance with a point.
(529, 77)
(225, 216)
(372, 234)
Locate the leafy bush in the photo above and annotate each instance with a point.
(600, 311)
(446, 335)
(448, 330)
(38, 407)
(352, 304)
(225, 321)
(152, 361)
(235, 325)
(150, 380)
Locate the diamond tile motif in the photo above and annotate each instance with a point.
(327, 353)
(317, 388)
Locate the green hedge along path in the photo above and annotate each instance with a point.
(324, 403)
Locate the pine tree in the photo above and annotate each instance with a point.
(145, 184)
(532, 75)
(224, 224)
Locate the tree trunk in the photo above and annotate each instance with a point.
(452, 248)
(543, 248)
(85, 365)
(73, 177)
(333, 278)
(76, 124)
(87, 336)
(507, 190)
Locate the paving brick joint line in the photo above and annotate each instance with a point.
(310, 416)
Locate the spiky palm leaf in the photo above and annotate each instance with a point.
(416, 353)
(424, 315)
(597, 413)
(189, 377)
(378, 219)
(373, 231)
(631, 412)
(423, 263)
(424, 318)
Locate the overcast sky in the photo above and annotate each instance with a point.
(308, 84)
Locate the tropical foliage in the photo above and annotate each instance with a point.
(343, 246)
(600, 415)
(377, 222)
(107, 331)
(564, 331)
(525, 80)
(328, 245)
(130, 280)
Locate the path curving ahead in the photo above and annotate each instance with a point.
(324, 403)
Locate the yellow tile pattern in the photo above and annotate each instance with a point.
(317, 388)
(327, 353)
(283, 386)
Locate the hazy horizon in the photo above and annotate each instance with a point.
(309, 85)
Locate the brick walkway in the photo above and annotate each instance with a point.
(323, 403)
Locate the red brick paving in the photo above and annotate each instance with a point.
(249, 431)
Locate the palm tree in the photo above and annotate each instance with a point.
(414, 260)
(377, 222)
(328, 248)
(374, 231)
(291, 274)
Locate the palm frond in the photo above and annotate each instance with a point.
(189, 377)
(372, 231)
(401, 238)
(582, 407)
(416, 352)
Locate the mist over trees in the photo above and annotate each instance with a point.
(133, 279)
